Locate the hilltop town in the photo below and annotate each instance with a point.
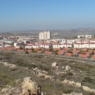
(47, 47)
(45, 42)
(57, 66)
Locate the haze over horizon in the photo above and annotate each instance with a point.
(18, 15)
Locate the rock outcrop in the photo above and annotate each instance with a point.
(27, 87)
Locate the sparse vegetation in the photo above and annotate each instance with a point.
(79, 72)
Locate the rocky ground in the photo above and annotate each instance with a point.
(55, 76)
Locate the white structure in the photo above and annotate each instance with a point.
(44, 35)
(84, 45)
(16, 45)
(62, 45)
(84, 36)
(88, 36)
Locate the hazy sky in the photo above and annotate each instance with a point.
(46, 14)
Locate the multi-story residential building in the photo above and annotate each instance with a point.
(44, 35)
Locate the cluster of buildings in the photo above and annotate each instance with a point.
(45, 41)
(82, 41)
(81, 46)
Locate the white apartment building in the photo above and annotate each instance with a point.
(44, 35)
(85, 45)
(62, 46)
(84, 36)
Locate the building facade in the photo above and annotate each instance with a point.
(44, 35)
